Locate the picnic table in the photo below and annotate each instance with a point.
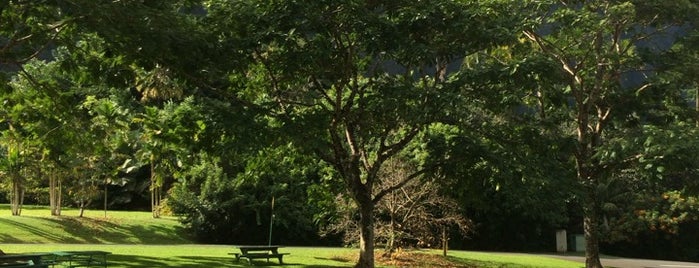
(25, 260)
(258, 252)
(81, 258)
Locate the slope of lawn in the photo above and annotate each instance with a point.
(36, 225)
(135, 239)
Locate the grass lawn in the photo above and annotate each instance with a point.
(135, 239)
(36, 225)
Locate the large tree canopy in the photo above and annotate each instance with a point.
(514, 102)
(356, 82)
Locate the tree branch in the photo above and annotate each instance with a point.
(399, 185)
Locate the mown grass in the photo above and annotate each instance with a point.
(36, 225)
(135, 239)
(506, 260)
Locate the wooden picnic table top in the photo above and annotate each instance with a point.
(249, 248)
(258, 247)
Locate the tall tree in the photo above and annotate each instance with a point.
(599, 47)
(163, 134)
(12, 163)
(356, 82)
(31, 125)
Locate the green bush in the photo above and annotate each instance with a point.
(218, 207)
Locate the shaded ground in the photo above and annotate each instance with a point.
(409, 259)
(412, 259)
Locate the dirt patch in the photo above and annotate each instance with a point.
(411, 258)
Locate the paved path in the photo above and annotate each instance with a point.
(632, 263)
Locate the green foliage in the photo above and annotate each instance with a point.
(223, 205)
(204, 198)
(669, 211)
(27, 29)
(660, 184)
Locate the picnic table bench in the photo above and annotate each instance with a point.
(258, 252)
(25, 260)
(81, 258)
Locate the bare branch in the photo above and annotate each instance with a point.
(400, 184)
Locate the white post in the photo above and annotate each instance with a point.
(561, 241)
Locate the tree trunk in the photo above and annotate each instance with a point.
(155, 201)
(105, 197)
(13, 198)
(366, 234)
(59, 197)
(592, 234)
(154, 190)
(17, 196)
(55, 194)
(21, 201)
(445, 241)
(391, 243)
(84, 203)
(589, 180)
(591, 224)
(52, 193)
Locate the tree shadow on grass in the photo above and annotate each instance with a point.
(335, 259)
(197, 262)
(145, 261)
(83, 230)
(226, 262)
(58, 238)
(138, 261)
(76, 230)
(322, 266)
(9, 239)
(155, 234)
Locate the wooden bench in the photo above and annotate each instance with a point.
(251, 256)
(258, 252)
(82, 258)
(24, 265)
(24, 260)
